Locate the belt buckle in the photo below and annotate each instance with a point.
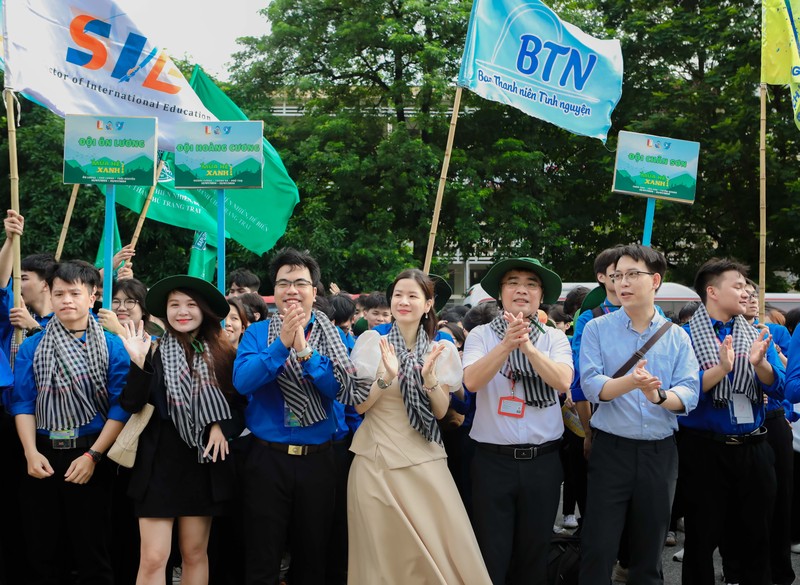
(63, 443)
(297, 449)
(734, 440)
(524, 453)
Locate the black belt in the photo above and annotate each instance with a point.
(295, 449)
(523, 452)
(83, 442)
(757, 436)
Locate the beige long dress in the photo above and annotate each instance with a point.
(406, 522)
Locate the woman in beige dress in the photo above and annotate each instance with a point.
(406, 522)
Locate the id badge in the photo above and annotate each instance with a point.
(67, 435)
(741, 410)
(511, 406)
(289, 418)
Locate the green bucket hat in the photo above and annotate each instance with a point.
(441, 292)
(551, 282)
(156, 299)
(594, 299)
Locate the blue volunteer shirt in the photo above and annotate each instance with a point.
(577, 337)
(671, 359)
(255, 375)
(707, 417)
(792, 389)
(23, 395)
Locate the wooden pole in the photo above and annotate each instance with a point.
(762, 244)
(442, 181)
(14, 177)
(145, 207)
(67, 218)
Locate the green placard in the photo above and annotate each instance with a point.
(219, 155)
(110, 149)
(657, 167)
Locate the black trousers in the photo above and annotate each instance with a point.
(288, 504)
(13, 565)
(514, 506)
(65, 517)
(724, 482)
(336, 571)
(575, 473)
(628, 480)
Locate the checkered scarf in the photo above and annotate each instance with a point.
(706, 348)
(537, 392)
(416, 400)
(194, 398)
(298, 391)
(71, 377)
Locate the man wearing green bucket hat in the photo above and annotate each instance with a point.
(517, 368)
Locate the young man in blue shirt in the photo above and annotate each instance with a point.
(67, 383)
(726, 464)
(292, 368)
(634, 464)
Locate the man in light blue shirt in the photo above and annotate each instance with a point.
(634, 463)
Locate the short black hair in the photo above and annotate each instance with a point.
(557, 314)
(709, 273)
(453, 314)
(687, 311)
(376, 300)
(653, 259)
(480, 314)
(792, 319)
(244, 278)
(41, 264)
(292, 257)
(575, 298)
(752, 283)
(73, 271)
(605, 259)
(256, 304)
(322, 304)
(344, 307)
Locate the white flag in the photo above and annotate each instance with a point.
(89, 57)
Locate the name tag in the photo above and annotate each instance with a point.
(511, 406)
(67, 435)
(289, 418)
(742, 410)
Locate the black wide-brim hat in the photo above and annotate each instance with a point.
(551, 282)
(156, 299)
(441, 292)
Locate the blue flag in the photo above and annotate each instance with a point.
(518, 52)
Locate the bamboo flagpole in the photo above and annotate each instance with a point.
(448, 151)
(762, 243)
(11, 100)
(146, 205)
(67, 219)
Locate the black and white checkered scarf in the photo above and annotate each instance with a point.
(194, 398)
(518, 368)
(416, 400)
(706, 348)
(71, 377)
(298, 391)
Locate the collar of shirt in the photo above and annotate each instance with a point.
(657, 320)
(722, 329)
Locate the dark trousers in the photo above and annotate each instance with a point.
(13, 566)
(633, 480)
(575, 470)
(795, 516)
(336, 571)
(514, 506)
(779, 437)
(61, 516)
(288, 503)
(723, 481)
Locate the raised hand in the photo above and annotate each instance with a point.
(137, 342)
(726, 354)
(518, 331)
(293, 320)
(429, 366)
(645, 381)
(758, 351)
(389, 358)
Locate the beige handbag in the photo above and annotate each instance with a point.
(123, 451)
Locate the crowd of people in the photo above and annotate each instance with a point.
(388, 437)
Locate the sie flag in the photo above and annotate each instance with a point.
(518, 52)
(90, 57)
(780, 47)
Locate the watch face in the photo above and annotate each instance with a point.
(662, 395)
(382, 384)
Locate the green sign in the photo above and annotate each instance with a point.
(219, 155)
(101, 150)
(657, 167)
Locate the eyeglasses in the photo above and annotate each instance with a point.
(752, 295)
(630, 276)
(129, 304)
(516, 284)
(299, 284)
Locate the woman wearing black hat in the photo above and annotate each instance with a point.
(406, 522)
(182, 467)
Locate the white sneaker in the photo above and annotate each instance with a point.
(796, 548)
(557, 529)
(678, 556)
(570, 521)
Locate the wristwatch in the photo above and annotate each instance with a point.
(382, 384)
(96, 456)
(662, 396)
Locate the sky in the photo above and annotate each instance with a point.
(205, 30)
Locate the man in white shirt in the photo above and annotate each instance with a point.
(517, 368)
